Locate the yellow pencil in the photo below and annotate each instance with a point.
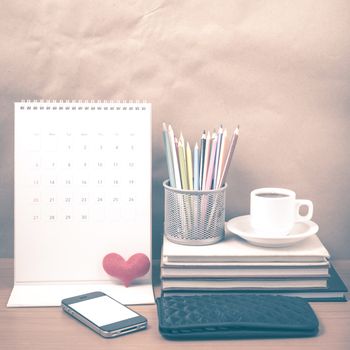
(182, 161)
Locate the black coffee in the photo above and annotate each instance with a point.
(272, 195)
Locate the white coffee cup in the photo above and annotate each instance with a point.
(274, 211)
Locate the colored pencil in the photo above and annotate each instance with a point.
(168, 156)
(196, 166)
(217, 158)
(189, 166)
(182, 162)
(222, 157)
(206, 160)
(229, 156)
(210, 172)
(174, 157)
(201, 164)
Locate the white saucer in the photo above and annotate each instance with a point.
(300, 231)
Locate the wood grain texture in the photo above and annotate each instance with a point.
(50, 328)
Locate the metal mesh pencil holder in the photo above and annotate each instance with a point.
(194, 217)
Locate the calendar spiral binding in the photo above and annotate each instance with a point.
(83, 104)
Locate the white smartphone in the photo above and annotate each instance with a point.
(103, 314)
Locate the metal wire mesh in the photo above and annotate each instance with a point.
(194, 217)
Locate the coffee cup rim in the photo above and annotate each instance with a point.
(277, 190)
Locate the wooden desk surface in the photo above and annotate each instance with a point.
(50, 328)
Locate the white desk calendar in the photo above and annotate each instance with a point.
(82, 190)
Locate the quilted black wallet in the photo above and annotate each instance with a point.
(222, 316)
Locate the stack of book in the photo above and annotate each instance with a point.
(234, 265)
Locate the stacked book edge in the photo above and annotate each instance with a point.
(234, 265)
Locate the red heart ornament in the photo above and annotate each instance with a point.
(126, 271)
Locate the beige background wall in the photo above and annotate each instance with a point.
(278, 68)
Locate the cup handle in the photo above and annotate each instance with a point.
(298, 204)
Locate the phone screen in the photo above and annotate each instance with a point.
(103, 310)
